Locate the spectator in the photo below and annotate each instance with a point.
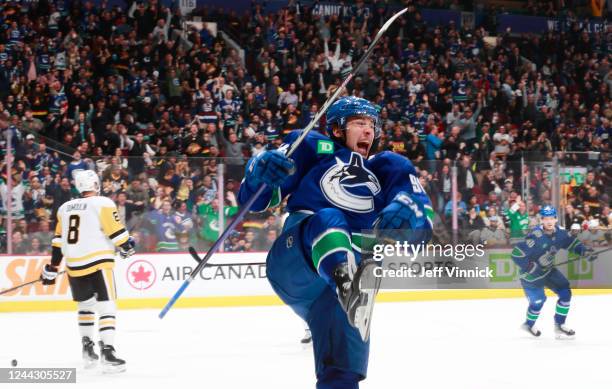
(519, 219)
(461, 207)
(209, 217)
(138, 151)
(474, 225)
(36, 248)
(492, 235)
(44, 236)
(17, 196)
(166, 224)
(593, 236)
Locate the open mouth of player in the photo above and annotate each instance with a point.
(363, 147)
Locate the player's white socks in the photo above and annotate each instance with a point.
(87, 317)
(106, 311)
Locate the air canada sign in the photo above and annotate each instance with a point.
(154, 277)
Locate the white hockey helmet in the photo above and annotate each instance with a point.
(86, 181)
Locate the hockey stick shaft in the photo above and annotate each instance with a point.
(348, 79)
(579, 258)
(26, 284)
(237, 219)
(245, 208)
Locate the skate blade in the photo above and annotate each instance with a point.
(565, 337)
(363, 313)
(90, 364)
(113, 369)
(527, 330)
(306, 345)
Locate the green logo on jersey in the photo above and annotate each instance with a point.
(325, 147)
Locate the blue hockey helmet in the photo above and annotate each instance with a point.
(548, 211)
(346, 107)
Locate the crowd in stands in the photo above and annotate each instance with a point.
(155, 106)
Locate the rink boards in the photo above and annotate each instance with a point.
(148, 281)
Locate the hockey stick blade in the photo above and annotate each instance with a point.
(194, 254)
(247, 206)
(197, 258)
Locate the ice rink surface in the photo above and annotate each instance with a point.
(467, 344)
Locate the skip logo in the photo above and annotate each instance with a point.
(350, 186)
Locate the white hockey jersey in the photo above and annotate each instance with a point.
(88, 230)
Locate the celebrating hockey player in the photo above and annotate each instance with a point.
(87, 234)
(337, 190)
(535, 257)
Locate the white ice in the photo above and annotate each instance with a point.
(468, 344)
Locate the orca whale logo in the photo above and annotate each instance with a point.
(350, 186)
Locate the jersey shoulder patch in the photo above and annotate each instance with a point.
(315, 142)
(537, 232)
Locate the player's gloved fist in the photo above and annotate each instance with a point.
(589, 254)
(49, 274)
(404, 219)
(127, 249)
(547, 260)
(269, 167)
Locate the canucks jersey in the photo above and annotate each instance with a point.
(329, 175)
(166, 227)
(541, 247)
(88, 230)
(519, 222)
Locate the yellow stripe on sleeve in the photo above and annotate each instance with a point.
(112, 226)
(57, 239)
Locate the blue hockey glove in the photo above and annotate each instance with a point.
(404, 219)
(269, 167)
(127, 249)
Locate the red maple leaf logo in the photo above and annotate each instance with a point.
(141, 275)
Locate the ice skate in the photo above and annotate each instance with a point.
(531, 329)
(89, 355)
(307, 339)
(357, 295)
(110, 363)
(563, 332)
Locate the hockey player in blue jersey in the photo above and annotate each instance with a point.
(336, 190)
(535, 257)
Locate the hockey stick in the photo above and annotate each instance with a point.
(580, 257)
(195, 256)
(26, 284)
(245, 208)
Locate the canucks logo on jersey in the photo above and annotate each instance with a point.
(350, 186)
